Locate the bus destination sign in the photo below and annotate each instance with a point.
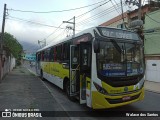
(117, 33)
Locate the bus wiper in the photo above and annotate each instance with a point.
(116, 46)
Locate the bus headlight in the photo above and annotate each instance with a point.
(100, 89)
(139, 85)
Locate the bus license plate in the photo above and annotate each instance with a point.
(126, 98)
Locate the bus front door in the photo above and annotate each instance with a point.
(85, 72)
(74, 70)
(80, 72)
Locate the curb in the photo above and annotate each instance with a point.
(149, 90)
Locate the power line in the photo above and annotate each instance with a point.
(92, 9)
(59, 27)
(115, 2)
(98, 15)
(54, 31)
(34, 22)
(108, 10)
(122, 11)
(59, 35)
(114, 7)
(77, 17)
(57, 10)
(152, 19)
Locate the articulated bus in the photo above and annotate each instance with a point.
(101, 67)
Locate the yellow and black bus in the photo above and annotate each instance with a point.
(102, 67)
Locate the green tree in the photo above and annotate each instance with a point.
(13, 45)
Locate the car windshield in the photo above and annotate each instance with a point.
(119, 58)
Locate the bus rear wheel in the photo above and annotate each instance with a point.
(67, 88)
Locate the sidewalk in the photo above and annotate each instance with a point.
(152, 86)
(23, 90)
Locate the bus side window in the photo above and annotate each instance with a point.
(59, 52)
(66, 49)
(51, 54)
(55, 53)
(42, 55)
(46, 56)
(62, 48)
(39, 57)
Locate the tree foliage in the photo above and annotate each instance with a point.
(13, 45)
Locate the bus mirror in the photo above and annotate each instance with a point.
(96, 46)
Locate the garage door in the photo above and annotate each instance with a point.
(153, 70)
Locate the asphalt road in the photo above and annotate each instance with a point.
(150, 103)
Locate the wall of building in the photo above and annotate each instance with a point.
(7, 63)
(152, 38)
(152, 46)
(128, 17)
(115, 21)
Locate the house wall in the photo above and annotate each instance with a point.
(152, 46)
(152, 39)
(115, 21)
(128, 17)
(7, 63)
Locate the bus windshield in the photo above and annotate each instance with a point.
(120, 58)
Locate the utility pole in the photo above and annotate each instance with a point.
(42, 41)
(136, 23)
(139, 10)
(73, 25)
(1, 42)
(3, 26)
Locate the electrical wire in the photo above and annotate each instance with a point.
(59, 27)
(152, 19)
(57, 10)
(94, 17)
(101, 13)
(98, 15)
(92, 9)
(122, 11)
(59, 35)
(54, 31)
(87, 12)
(115, 7)
(34, 22)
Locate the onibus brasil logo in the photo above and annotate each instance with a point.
(9, 113)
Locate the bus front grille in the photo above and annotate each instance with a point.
(120, 100)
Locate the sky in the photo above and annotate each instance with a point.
(25, 31)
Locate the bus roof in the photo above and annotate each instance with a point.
(76, 35)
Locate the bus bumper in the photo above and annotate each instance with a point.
(101, 101)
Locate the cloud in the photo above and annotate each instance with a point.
(31, 33)
(26, 31)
